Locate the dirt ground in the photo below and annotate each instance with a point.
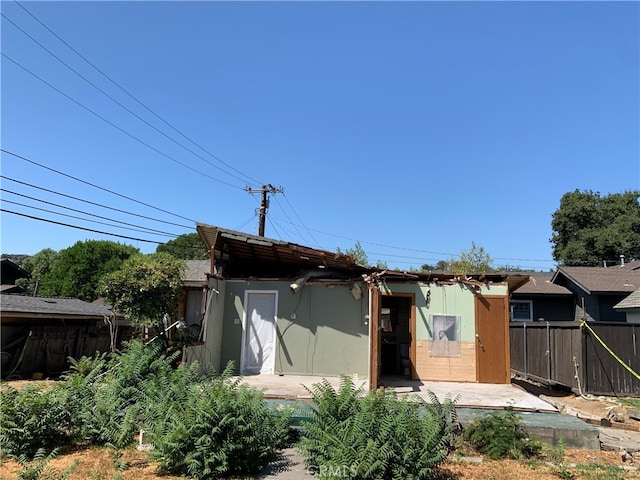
(100, 463)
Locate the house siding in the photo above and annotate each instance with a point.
(444, 300)
(321, 329)
(607, 313)
(553, 309)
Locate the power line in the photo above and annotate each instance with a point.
(133, 97)
(149, 230)
(299, 219)
(92, 203)
(117, 127)
(117, 102)
(84, 219)
(79, 228)
(413, 249)
(93, 185)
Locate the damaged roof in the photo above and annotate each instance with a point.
(242, 254)
(513, 280)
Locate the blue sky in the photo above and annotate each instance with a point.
(415, 128)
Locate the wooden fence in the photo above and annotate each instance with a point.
(46, 348)
(564, 353)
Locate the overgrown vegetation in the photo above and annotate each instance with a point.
(33, 420)
(216, 429)
(203, 426)
(372, 436)
(502, 435)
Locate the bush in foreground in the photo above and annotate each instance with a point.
(502, 435)
(219, 429)
(33, 419)
(375, 436)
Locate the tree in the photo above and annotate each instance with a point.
(357, 253)
(145, 288)
(589, 230)
(38, 266)
(441, 266)
(474, 260)
(187, 247)
(79, 268)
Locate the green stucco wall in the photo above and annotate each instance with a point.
(443, 300)
(209, 354)
(321, 329)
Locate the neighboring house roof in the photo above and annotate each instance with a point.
(10, 271)
(12, 305)
(617, 279)
(11, 289)
(540, 284)
(196, 271)
(632, 302)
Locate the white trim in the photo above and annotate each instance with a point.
(244, 325)
(511, 304)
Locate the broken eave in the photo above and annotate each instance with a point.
(240, 254)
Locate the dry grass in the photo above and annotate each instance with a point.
(100, 463)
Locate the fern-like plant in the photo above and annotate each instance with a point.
(373, 436)
(132, 381)
(216, 429)
(502, 435)
(33, 419)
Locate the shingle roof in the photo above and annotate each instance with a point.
(27, 305)
(618, 279)
(540, 284)
(196, 270)
(632, 301)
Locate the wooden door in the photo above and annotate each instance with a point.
(492, 340)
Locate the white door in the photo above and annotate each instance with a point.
(259, 333)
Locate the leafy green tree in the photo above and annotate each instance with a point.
(441, 266)
(187, 247)
(38, 266)
(589, 229)
(357, 253)
(474, 260)
(145, 288)
(79, 268)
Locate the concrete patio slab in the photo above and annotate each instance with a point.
(471, 395)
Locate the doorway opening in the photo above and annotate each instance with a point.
(396, 316)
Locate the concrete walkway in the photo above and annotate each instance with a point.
(471, 395)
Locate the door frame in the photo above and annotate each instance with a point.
(245, 320)
(375, 339)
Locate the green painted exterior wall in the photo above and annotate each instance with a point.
(209, 354)
(443, 300)
(321, 329)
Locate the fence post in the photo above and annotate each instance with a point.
(524, 330)
(548, 354)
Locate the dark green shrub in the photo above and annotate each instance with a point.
(375, 436)
(501, 435)
(216, 429)
(134, 379)
(33, 419)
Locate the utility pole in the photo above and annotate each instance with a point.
(264, 203)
